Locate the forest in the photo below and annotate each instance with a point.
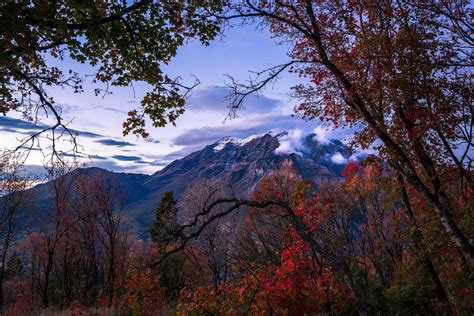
(366, 244)
(393, 234)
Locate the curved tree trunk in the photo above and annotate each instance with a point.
(438, 286)
(438, 199)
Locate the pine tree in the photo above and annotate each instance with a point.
(165, 224)
(14, 266)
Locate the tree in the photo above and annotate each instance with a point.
(125, 42)
(139, 290)
(177, 270)
(13, 199)
(78, 253)
(282, 214)
(304, 280)
(162, 233)
(216, 242)
(265, 232)
(108, 198)
(86, 242)
(353, 246)
(53, 227)
(360, 222)
(166, 220)
(401, 72)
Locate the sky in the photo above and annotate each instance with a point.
(98, 120)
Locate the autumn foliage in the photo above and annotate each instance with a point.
(393, 235)
(363, 243)
(350, 247)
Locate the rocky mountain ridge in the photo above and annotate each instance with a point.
(240, 163)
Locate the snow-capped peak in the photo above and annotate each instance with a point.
(224, 141)
(236, 141)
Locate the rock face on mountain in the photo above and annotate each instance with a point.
(238, 162)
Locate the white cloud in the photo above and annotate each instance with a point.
(241, 128)
(321, 135)
(291, 142)
(338, 158)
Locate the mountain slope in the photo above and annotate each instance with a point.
(237, 162)
(240, 163)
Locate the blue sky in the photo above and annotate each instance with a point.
(99, 119)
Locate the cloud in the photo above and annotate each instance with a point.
(138, 165)
(12, 123)
(359, 155)
(126, 158)
(152, 140)
(291, 142)
(65, 108)
(97, 157)
(166, 159)
(213, 98)
(34, 171)
(112, 165)
(321, 134)
(152, 163)
(69, 154)
(180, 153)
(8, 124)
(112, 142)
(159, 163)
(111, 109)
(338, 158)
(11, 130)
(83, 133)
(241, 129)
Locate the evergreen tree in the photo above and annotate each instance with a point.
(165, 224)
(14, 266)
(174, 270)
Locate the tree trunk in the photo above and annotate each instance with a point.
(439, 200)
(444, 212)
(47, 272)
(359, 295)
(438, 286)
(2, 272)
(111, 277)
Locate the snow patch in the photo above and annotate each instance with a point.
(236, 141)
(224, 141)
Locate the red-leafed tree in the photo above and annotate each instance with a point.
(356, 246)
(401, 72)
(282, 220)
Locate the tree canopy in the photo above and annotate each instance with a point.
(399, 72)
(125, 42)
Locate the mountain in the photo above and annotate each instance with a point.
(239, 162)
(131, 183)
